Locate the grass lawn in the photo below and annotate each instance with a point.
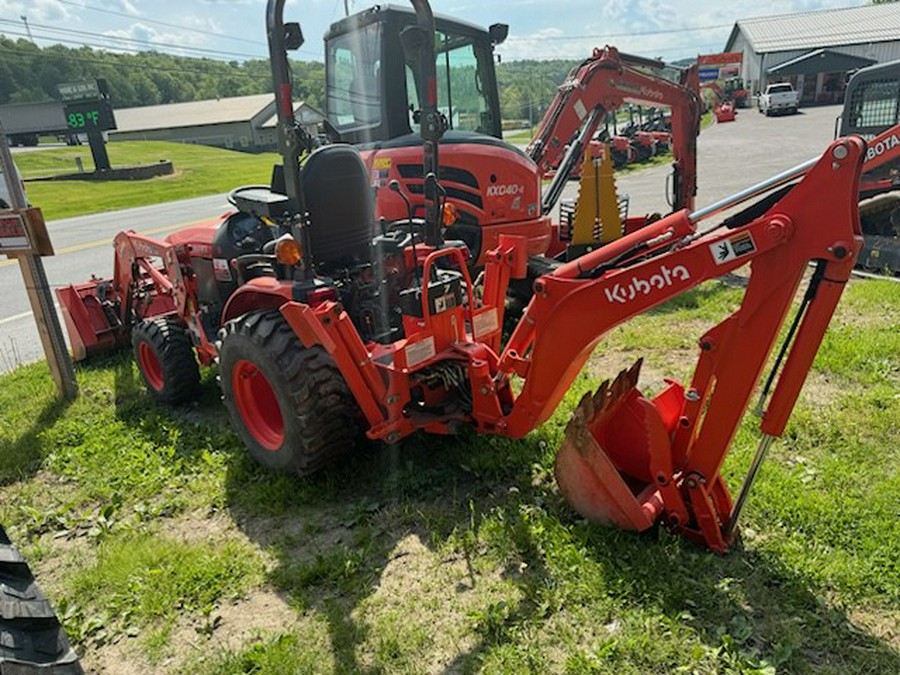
(199, 171)
(166, 550)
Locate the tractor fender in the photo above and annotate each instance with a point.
(256, 295)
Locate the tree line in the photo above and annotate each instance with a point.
(29, 73)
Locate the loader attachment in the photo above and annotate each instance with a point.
(92, 320)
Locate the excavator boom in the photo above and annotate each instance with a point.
(602, 84)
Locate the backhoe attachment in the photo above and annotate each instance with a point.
(634, 461)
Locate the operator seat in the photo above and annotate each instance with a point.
(340, 205)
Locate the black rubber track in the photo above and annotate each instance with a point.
(321, 418)
(172, 345)
(33, 640)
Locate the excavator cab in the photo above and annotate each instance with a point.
(371, 85)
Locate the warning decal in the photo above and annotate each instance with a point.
(730, 249)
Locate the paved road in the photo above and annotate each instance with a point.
(736, 155)
(83, 247)
(730, 157)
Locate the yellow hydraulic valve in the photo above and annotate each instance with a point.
(597, 218)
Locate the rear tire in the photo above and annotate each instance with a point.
(289, 404)
(165, 358)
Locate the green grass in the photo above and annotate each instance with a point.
(140, 584)
(199, 171)
(167, 550)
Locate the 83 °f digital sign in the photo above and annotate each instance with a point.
(86, 115)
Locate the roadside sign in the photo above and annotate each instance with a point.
(25, 237)
(13, 235)
(724, 59)
(24, 231)
(79, 91)
(719, 66)
(86, 115)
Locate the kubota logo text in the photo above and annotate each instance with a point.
(504, 190)
(644, 92)
(882, 147)
(638, 286)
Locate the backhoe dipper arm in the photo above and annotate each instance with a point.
(570, 312)
(601, 84)
(674, 445)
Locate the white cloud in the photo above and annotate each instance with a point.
(35, 10)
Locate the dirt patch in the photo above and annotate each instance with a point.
(431, 603)
(229, 628)
(882, 623)
(820, 390)
(118, 659)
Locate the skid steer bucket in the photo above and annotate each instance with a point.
(91, 316)
(615, 446)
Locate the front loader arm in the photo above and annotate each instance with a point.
(137, 261)
(599, 85)
(672, 448)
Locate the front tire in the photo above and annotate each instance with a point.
(289, 404)
(165, 358)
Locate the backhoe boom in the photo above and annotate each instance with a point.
(602, 84)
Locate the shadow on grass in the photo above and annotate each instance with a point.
(334, 534)
(22, 458)
(745, 606)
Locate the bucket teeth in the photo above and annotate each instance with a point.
(601, 466)
(594, 407)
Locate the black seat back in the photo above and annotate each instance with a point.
(338, 196)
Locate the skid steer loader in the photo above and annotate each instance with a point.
(872, 110)
(329, 331)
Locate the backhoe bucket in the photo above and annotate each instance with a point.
(91, 319)
(615, 443)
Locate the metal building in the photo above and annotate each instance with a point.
(814, 50)
(239, 123)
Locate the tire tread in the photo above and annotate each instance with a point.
(323, 424)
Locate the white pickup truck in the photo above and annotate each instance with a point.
(778, 98)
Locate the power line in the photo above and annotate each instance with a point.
(124, 48)
(115, 38)
(158, 23)
(182, 28)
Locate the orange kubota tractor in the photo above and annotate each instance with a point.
(372, 98)
(330, 331)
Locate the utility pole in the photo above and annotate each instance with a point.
(346, 7)
(27, 27)
(25, 247)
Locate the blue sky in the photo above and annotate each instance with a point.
(540, 29)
